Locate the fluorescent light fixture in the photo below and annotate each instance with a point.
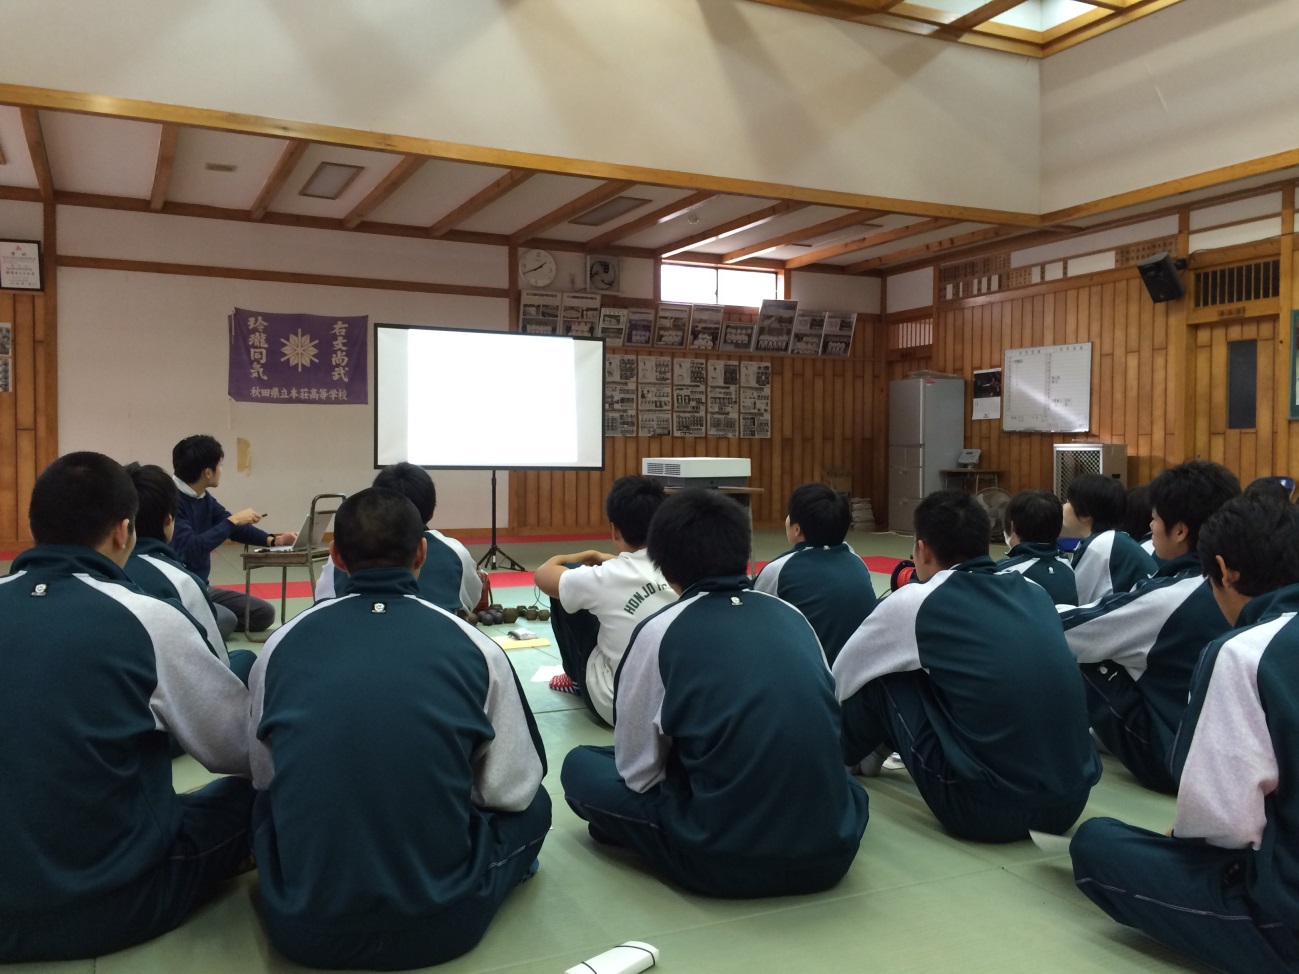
(219, 167)
(329, 180)
(602, 214)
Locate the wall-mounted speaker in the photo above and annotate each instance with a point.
(1160, 275)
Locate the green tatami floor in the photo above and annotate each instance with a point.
(916, 899)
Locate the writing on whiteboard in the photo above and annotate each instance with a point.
(1047, 389)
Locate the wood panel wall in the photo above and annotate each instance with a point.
(28, 414)
(821, 420)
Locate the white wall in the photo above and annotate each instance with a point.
(914, 289)
(835, 292)
(21, 221)
(1197, 86)
(723, 87)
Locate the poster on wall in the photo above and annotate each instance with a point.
(836, 337)
(539, 312)
(724, 399)
(689, 393)
(737, 336)
(20, 265)
(654, 395)
(620, 395)
(671, 326)
(640, 327)
(755, 400)
(706, 327)
(985, 402)
(580, 315)
(808, 328)
(296, 358)
(6, 356)
(613, 326)
(775, 325)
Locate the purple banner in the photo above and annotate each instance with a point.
(298, 358)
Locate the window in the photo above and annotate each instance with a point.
(699, 284)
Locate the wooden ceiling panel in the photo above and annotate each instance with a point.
(95, 154)
(527, 202)
(252, 156)
(16, 170)
(439, 187)
(721, 209)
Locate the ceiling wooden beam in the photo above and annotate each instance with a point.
(480, 201)
(2, 155)
(747, 222)
(36, 147)
(933, 247)
(662, 215)
(806, 233)
(865, 243)
(293, 152)
(587, 201)
(396, 178)
(980, 14)
(915, 258)
(162, 169)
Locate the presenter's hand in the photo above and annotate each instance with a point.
(286, 537)
(246, 516)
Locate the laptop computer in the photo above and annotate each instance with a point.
(307, 540)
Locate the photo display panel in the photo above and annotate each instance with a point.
(448, 397)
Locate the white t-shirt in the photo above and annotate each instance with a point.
(620, 593)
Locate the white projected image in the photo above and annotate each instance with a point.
(491, 400)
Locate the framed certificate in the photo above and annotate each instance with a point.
(20, 265)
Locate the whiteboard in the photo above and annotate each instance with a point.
(1047, 389)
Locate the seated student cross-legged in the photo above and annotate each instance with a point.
(1107, 559)
(968, 677)
(449, 578)
(97, 852)
(154, 567)
(1223, 886)
(596, 599)
(1033, 520)
(397, 764)
(821, 575)
(725, 771)
(1137, 649)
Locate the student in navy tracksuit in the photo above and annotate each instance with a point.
(449, 578)
(1107, 559)
(97, 851)
(397, 764)
(725, 771)
(821, 575)
(202, 524)
(965, 673)
(1137, 649)
(153, 566)
(1033, 520)
(1137, 519)
(1224, 886)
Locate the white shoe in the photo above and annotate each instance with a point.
(893, 762)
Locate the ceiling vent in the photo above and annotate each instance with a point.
(330, 180)
(606, 212)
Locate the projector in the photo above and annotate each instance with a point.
(698, 471)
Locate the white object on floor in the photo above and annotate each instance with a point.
(544, 674)
(1056, 845)
(893, 762)
(628, 958)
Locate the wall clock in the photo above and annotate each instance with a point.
(536, 268)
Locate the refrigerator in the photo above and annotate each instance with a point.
(926, 433)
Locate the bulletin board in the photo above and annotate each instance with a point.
(1047, 389)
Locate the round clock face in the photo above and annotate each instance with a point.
(536, 268)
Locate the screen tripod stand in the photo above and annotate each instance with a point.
(488, 560)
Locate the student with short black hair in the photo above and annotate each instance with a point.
(1137, 649)
(202, 524)
(725, 770)
(397, 764)
(966, 675)
(1136, 518)
(1107, 559)
(1222, 886)
(597, 599)
(821, 575)
(154, 567)
(449, 577)
(99, 851)
(1033, 520)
